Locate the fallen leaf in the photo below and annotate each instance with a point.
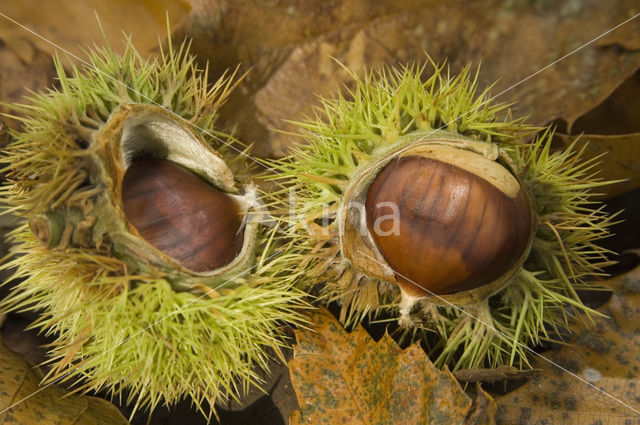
(621, 159)
(625, 40)
(617, 114)
(612, 129)
(73, 26)
(290, 46)
(22, 69)
(348, 378)
(604, 357)
(26, 62)
(24, 401)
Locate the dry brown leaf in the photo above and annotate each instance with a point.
(290, 45)
(348, 378)
(73, 24)
(612, 129)
(22, 69)
(618, 114)
(26, 57)
(605, 355)
(621, 160)
(46, 405)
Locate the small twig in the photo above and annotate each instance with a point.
(492, 375)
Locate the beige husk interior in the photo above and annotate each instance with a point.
(147, 130)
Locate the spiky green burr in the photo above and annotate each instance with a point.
(391, 112)
(125, 317)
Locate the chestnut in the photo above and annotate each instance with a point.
(421, 200)
(181, 214)
(142, 233)
(456, 231)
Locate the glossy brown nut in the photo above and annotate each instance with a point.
(455, 231)
(181, 214)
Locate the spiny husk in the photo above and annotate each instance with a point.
(393, 108)
(119, 325)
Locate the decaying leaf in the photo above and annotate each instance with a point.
(348, 378)
(621, 159)
(290, 45)
(605, 356)
(617, 114)
(73, 26)
(612, 129)
(26, 53)
(46, 405)
(23, 67)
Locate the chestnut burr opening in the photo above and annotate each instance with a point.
(452, 230)
(181, 214)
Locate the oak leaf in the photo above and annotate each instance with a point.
(72, 25)
(611, 131)
(348, 378)
(25, 402)
(604, 360)
(290, 46)
(618, 158)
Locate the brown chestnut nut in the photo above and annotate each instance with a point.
(181, 214)
(445, 228)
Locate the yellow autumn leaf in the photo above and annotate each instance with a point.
(619, 158)
(23, 401)
(348, 378)
(604, 359)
